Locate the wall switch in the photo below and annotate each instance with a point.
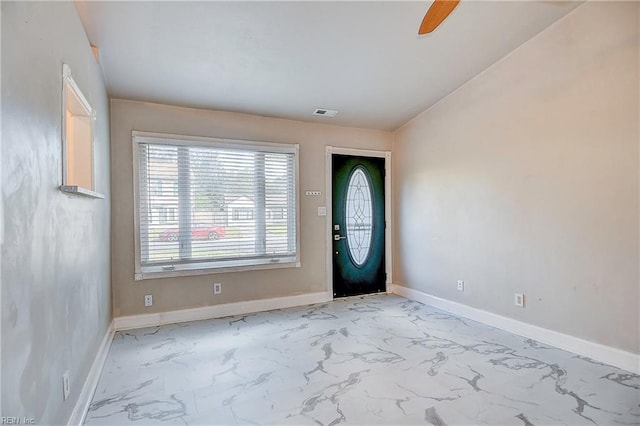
(217, 288)
(460, 285)
(65, 385)
(322, 211)
(148, 300)
(518, 299)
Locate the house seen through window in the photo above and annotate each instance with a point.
(214, 204)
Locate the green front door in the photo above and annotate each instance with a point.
(358, 225)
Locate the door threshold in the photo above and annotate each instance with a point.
(360, 295)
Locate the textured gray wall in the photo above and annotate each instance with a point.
(1, 222)
(56, 298)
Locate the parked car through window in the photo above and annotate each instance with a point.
(199, 231)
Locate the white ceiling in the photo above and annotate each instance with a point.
(284, 59)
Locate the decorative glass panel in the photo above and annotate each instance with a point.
(359, 216)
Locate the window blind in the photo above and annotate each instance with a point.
(214, 205)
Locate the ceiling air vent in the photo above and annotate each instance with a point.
(325, 112)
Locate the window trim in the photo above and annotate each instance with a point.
(187, 140)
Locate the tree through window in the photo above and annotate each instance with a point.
(220, 196)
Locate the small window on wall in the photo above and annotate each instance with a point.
(77, 139)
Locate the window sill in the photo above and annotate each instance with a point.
(208, 271)
(78, 190)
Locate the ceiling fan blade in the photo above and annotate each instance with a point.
(437, 13)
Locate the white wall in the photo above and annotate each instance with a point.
(526, 180)
(197, 291)
(56, 304)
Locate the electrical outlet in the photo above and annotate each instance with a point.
(460, 285)
(518, 299)
(148, 300)
(217, 288)
(65, 385)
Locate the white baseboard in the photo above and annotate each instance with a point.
(606, 354)
(91, 382)
(217, 311)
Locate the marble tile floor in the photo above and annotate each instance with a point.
(368, 360)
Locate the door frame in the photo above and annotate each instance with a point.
(388, 233)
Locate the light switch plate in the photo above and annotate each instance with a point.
(322, 211)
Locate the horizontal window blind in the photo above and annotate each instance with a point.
(207, 206)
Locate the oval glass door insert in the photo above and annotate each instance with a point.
(359, 216)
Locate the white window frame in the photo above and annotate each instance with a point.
(215, 266)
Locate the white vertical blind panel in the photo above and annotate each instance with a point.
(202, 204)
